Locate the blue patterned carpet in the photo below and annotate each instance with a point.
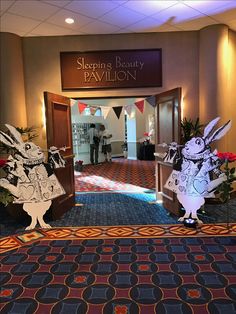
(104, 209)
(110, 209)
(182, 275)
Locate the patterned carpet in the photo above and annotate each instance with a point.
(120, 175)
(110, 209)
(150, 264)
(101, 209)
(120, 270)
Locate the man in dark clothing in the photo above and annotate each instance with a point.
(94, 144)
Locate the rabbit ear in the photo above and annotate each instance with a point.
(6, 139)
(219, 132)
(210, 127)
(15, 133)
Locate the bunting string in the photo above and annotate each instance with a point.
(151, 100)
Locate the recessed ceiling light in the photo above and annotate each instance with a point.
(69, 20)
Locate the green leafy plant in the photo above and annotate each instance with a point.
(5, 196)
(190, 128)
(28, 134)
(225, 189)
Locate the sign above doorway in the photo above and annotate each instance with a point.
(111, 69)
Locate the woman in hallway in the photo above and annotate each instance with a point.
(106, 136)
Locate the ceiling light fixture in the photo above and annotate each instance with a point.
(69, 20)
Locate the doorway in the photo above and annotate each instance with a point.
(161, 102)
(119, 115)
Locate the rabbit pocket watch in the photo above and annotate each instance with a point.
(193, 182)
(29, 178)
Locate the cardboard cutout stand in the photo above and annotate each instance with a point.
(193, 182)
(29, 177)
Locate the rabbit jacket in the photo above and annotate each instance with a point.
(35, 182)
(194, 177)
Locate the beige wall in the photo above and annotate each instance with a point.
(217, 82)
(206, 57)
(231, 103)
(12, 90)
(42, 66)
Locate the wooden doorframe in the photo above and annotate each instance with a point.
(168, 96)
(163, 169)
(59, 133)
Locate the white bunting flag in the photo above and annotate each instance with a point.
(105, 111)
(73, 102)
(128, 109)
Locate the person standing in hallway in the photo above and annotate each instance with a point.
(106, 136)
(94, 144)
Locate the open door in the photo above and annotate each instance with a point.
(58, 126)
(168, 120)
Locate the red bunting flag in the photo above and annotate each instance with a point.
(93, 110)
(81, 107)
(140, 105)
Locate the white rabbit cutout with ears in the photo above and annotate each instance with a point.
(29, 178)
(192, 183)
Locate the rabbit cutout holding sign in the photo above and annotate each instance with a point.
(193, 182)
(29, 178)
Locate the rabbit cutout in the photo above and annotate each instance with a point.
(193, 182)
(29, 178)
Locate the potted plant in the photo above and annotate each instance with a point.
(5, 196)
(28, 134)
(189, 129)
(79, 165)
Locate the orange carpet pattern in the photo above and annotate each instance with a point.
(110, 232)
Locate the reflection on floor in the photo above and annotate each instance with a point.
(120, 175)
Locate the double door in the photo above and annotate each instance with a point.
(58, 124)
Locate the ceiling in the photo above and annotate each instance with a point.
(47, 18)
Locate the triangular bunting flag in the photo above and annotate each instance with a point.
(81, 107)
(117, 111)
(151, 100)
(140, 105)
(93, 110)
(105, 111)
(128, 109)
